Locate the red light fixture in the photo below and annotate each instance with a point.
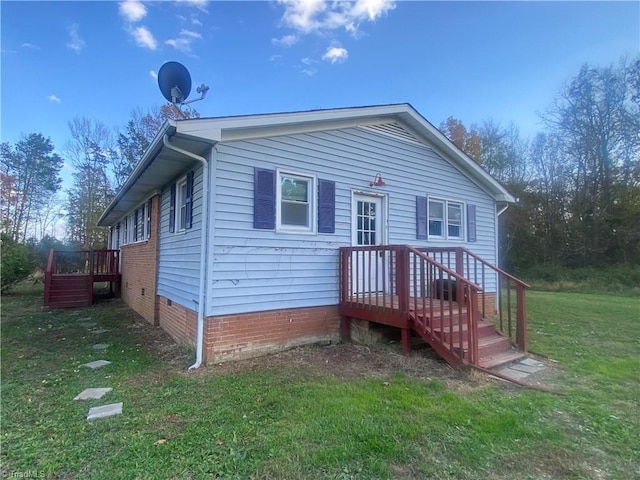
(377, 181)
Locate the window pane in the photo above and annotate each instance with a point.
(454, 231)
(435, 228)
(296, 214)
(295, 190)
(454, 212)
(436, 210)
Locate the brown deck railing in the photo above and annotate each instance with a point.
(402, 286)
(102, 265)
(96, 262)
(502, 296)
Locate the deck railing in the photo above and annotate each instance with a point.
(401, 280)
(96, 262)
(502, 296)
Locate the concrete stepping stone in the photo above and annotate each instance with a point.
(82, 319)
(105, 411)
(96, 364)
(99, 330)
(88, 324)
(101, 346)
(531, 362)
(511, 373)
(525, 368)
(92, 393)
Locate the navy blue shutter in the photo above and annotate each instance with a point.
(264, 199)
(189, 201)
(471, 223)
(421, 218)
(172, 209)
(326, 206)
(135, 226)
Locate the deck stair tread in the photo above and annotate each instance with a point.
(500, 359)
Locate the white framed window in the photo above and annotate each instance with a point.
(181, 207)
(295, 202)
(446, 219)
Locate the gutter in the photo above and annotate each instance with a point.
(204, 245)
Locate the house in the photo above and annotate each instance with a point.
(230, 229)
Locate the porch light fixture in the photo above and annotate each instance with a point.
(377, 181)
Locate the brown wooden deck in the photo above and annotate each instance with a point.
(70, 276)
(420, 298)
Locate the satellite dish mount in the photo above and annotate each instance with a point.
(175, 84)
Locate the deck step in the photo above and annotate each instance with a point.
(485, 329)
(500, 359)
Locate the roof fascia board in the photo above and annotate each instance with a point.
(467, 165)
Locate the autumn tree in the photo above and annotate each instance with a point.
(467, 140)
(30, 177)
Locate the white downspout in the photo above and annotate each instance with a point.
(204, 246)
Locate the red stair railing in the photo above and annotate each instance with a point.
(502, 296)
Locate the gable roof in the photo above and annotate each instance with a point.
(159, 165)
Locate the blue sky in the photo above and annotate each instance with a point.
(471, 60)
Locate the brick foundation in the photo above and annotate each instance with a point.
(241, 336)
(235, 337)
(178, 321)
(139, 271)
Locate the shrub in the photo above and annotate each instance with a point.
(16, 264)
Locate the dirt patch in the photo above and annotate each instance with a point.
(343, 360)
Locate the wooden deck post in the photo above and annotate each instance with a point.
(521, 318)
(402, 276)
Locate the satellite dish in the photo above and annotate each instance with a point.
(174, 82)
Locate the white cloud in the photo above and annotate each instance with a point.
(189, 33)
(180, 44)
(199, 4)
(335, 54)
(285, 41)
(30, 46)
(307, 16)
(75, 42)
(308, 69)
(132, 10)
(153, 74)
(54, 99)
(144, 38)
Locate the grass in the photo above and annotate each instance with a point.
(293, 423)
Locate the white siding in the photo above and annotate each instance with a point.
(179, 255)
(254, 270)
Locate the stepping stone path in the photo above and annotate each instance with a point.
(521, 369)
(92, 393)
(96, 364)
(105, 411)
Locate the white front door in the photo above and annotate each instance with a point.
(368, 230)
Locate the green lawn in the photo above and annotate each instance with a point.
(290, 422)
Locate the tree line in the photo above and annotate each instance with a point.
(577, 181)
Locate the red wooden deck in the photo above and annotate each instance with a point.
(419, 297)
(70, 276)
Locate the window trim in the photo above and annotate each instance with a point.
(130, 232)
(181, 186)
(445, 221)
(312, 204)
